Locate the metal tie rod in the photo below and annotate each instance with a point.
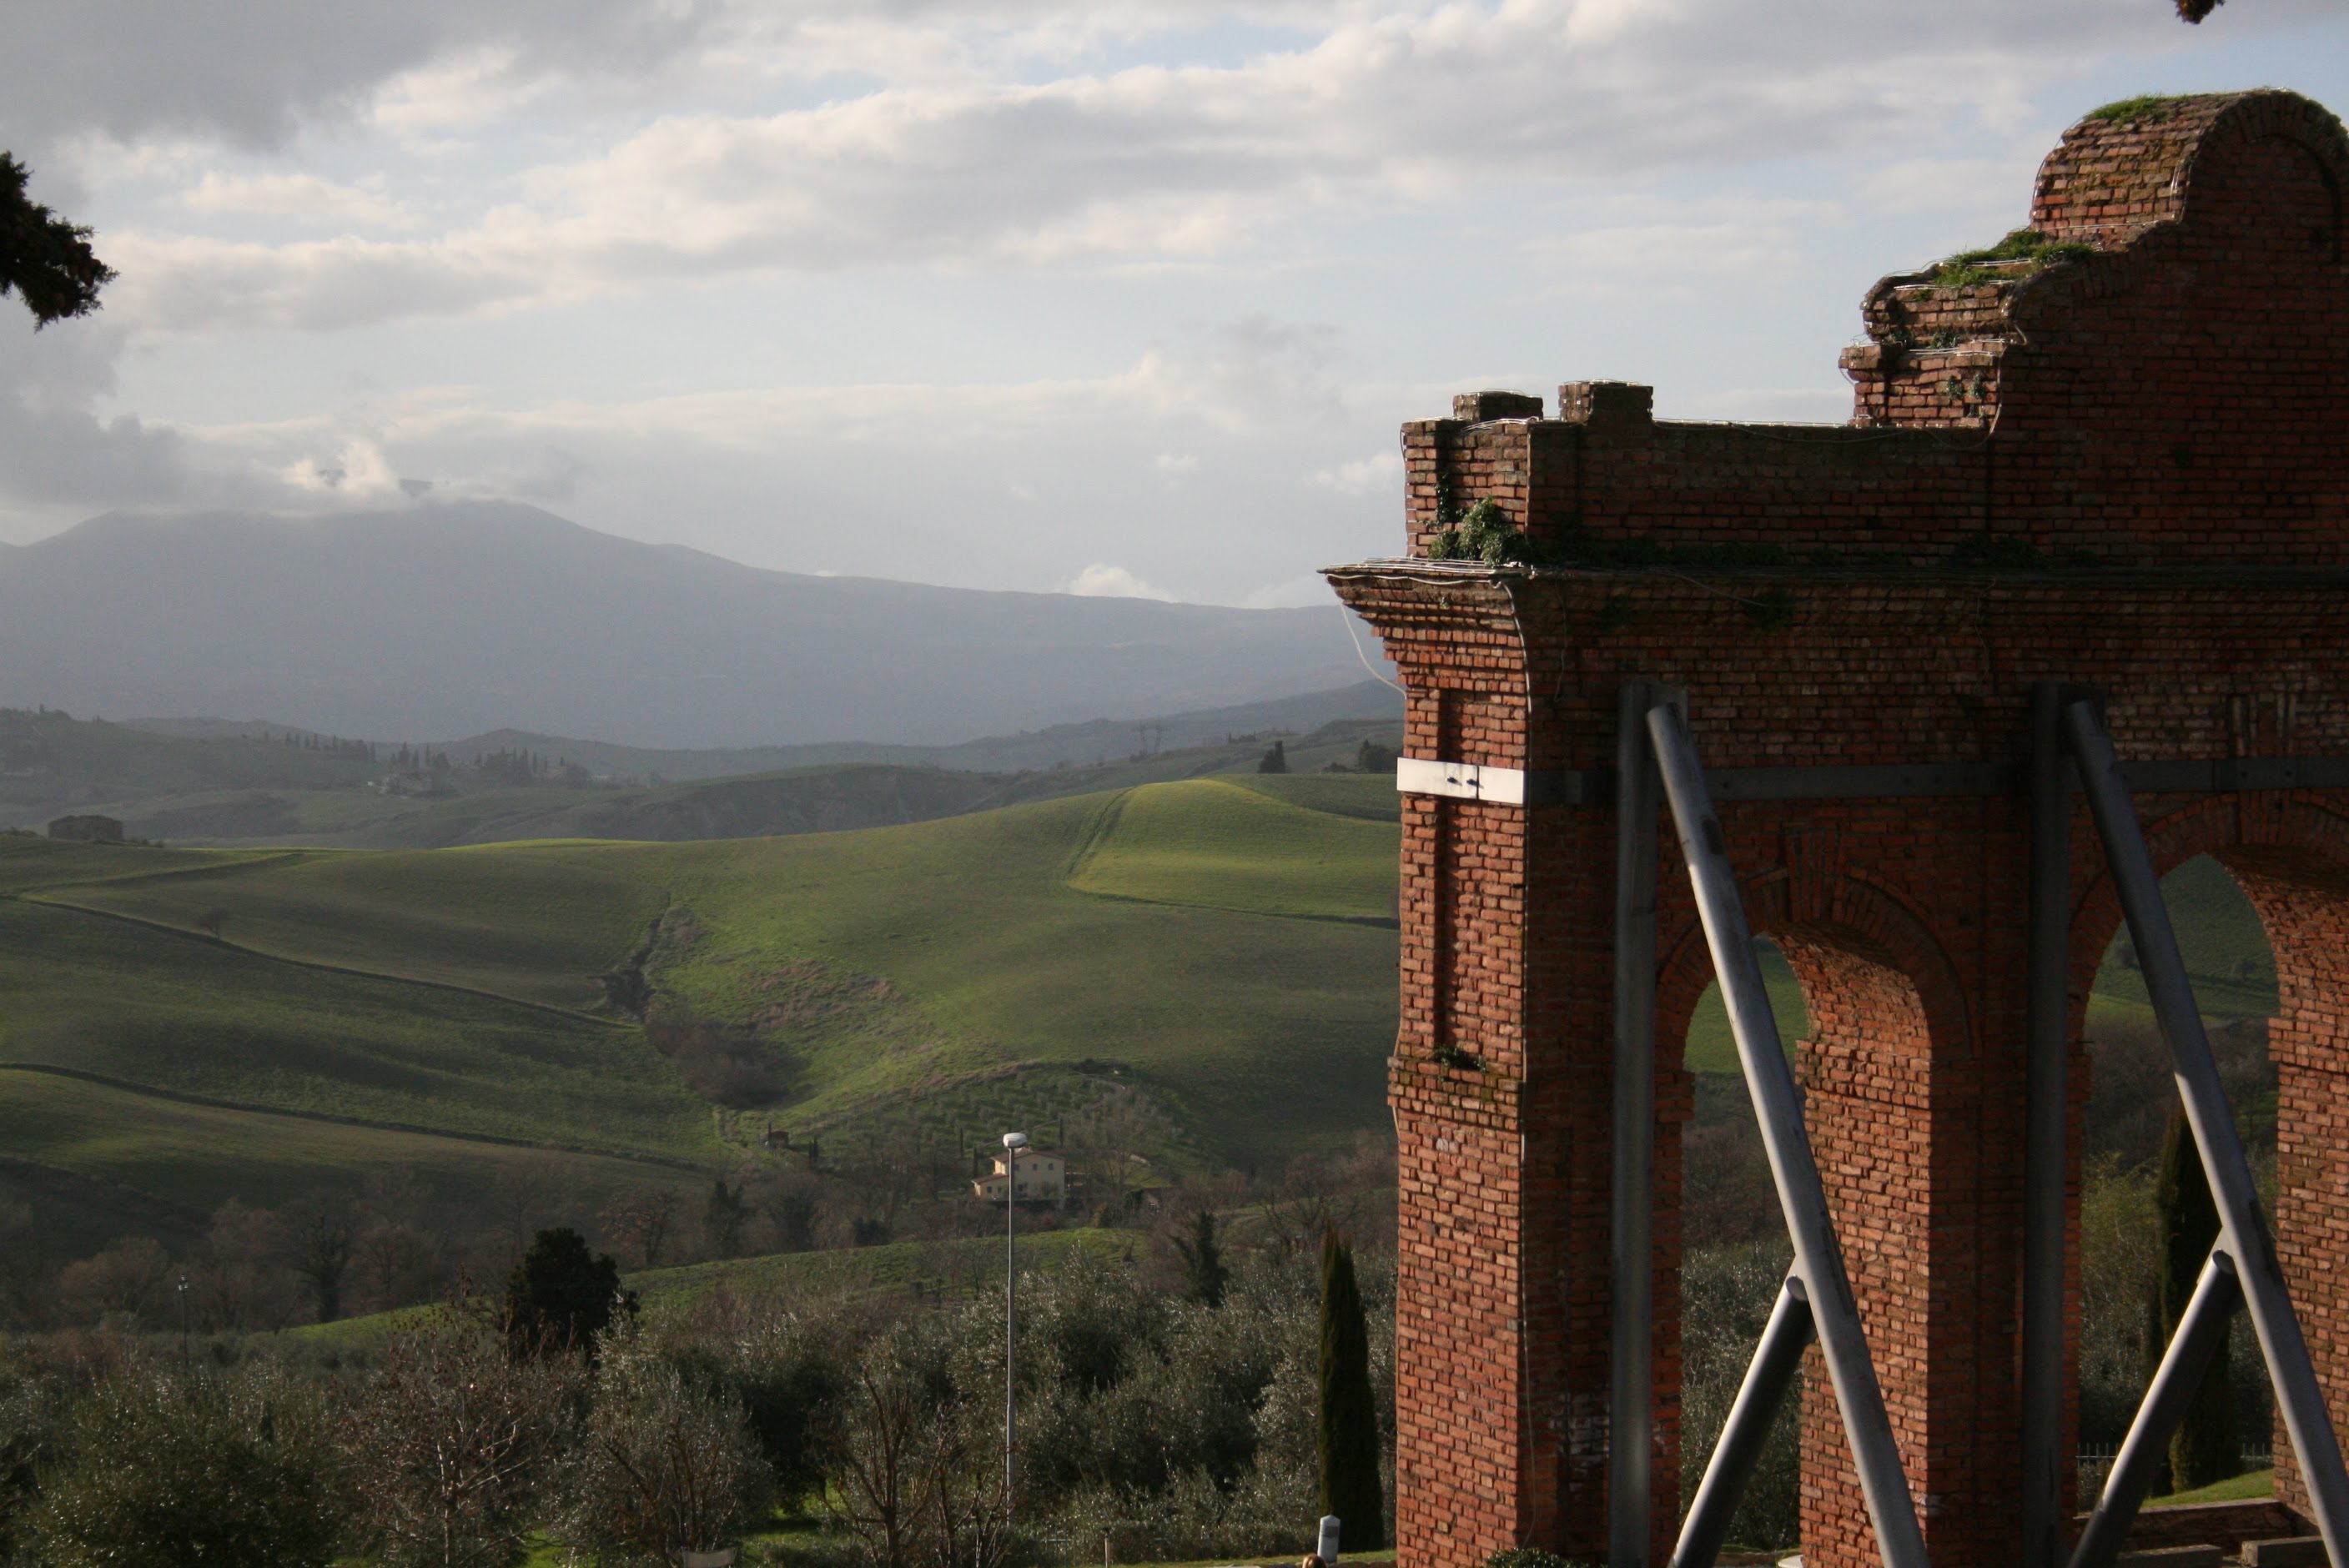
(1818, 1262)
(2243, 1228)
(1630, 1422)
(2180, 1376)
(1775, 1361)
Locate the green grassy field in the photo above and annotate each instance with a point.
(203, 1155)
(1171, 949)
(1214, 956)
(829, 796)
(1222, 846)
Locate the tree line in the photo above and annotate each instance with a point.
(1210, 1399)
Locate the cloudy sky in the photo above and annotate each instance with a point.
(1118, 297)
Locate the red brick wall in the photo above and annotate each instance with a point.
(2175, 407)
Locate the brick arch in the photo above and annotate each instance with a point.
(1854, 916)
(2290, 857)
(1890, 1020)
(2297, 840)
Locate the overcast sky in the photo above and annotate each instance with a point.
(1121, 297)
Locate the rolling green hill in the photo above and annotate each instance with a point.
(831, 798)
(125, 1142)
(51, 763)
(1211, 960)
(1205, 957)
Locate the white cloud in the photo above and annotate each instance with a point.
(1362, 476)
(970, 168)
(1645, 251)
(1295, 592)
(359, 474)
(1103, 580)
(303, 197)
(1174, 465)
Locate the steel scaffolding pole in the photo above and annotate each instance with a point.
(2046, 1135)
(2201, 1329)
(1775, 1361)
(2244, 1234)
(1818, 1262)
(1631, 1375)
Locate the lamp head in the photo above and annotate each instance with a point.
(1015, 1141)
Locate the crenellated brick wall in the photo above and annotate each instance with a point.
(2139, 483)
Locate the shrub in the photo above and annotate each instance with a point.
(168, 1469)
(668, 1465)
(451, 1440)
(1727, 1295)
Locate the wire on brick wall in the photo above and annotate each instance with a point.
(1357, 641)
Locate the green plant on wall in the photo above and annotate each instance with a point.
(1483, 533)
(2025, 245)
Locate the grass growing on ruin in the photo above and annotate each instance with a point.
(2142, 107)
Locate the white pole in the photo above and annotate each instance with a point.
(1013, 1142)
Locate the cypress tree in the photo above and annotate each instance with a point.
(2204, 1451)
(1348, 1439)
(1203, 1259)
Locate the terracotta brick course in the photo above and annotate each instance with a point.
(2140, 483)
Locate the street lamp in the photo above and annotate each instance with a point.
(1013, 1142)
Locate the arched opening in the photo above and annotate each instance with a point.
(1733, 1255)
(1868, 1008)
(2125, 1136)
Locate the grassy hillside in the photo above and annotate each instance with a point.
(139, 1143)
(1209, 961)
(51, 763)
(1167, 954)
(832, 797)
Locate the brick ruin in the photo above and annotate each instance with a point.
(2119, 458)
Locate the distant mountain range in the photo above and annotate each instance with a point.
(1059, 746)
(459, 618)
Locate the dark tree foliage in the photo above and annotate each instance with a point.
(722, 1218)
(43, 259)
(179, 1471)
(561, 1296)
(1275, 760)
(1203, 1260)
(318, 1248)
(1347, 1435)
(2204, 1451)
(2195, 10)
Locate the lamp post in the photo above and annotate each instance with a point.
(1013, 1142)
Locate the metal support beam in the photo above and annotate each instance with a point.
(1818, 1262)
(2243, 1228)
(1775, 1361)
(2201, 1328)
(1632, 1386)
(2046, 1134)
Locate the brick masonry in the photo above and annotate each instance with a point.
(2126, 466)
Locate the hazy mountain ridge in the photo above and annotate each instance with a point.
(456, 618)
(1075, 744)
